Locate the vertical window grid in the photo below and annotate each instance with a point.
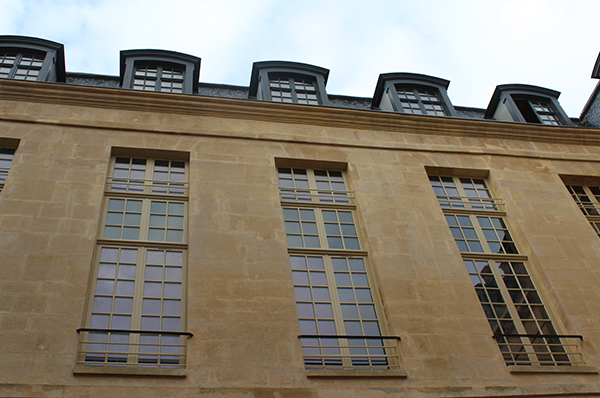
(337, 310)
(587, 198)
(132, 175)
(302, 185)
(476, 194)
(516, 314)
(145, 78)
(420, 100)
(136, 307)
(6, 158)
(545, 113)
(168, 79)
(20, 66)
(293, 90)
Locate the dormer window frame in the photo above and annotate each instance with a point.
(48, 64)
(527, 104)
(136, 60)
(297, 75)
(417, 98)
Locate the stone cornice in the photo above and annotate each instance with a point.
(194, 105)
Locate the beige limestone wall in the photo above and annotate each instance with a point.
(240, 303)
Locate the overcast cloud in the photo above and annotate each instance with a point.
(476, 44)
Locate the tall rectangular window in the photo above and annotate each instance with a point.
(337, 307)
(6, 157)
(587, 198)
(515, 311)
(136, 311)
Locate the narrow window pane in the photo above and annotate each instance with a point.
(172, 307)
(151, 307)
(152, 289)
(126, 271)
(308, 327)
(102, 304)
(172, 290)
(107, 270)
(171, 324)
(321, 294)
(324, 311)
(125, 288)
(305, 310)
(173, 274)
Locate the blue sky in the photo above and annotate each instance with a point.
(476, 44)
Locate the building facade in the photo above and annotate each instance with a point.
(165, 237)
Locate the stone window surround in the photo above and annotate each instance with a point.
(161, 193)
(324, 201)
(472, 210)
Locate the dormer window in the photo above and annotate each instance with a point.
(527, 104)
(289, 82)
(158, 70)
(33, 59)
(412, 93)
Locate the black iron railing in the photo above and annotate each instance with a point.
(132, 348)
(541, 349)
(350, 352)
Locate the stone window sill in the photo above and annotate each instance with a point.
(552, 369)
(398, 373)
(123, 371)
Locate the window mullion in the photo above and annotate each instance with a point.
(482, 240)
(338, 317)
(506, 296)
(293, 91)
(15, 66)
(312, 185)
(420, 102)
(138, 290)
(136, 310)
(149, 176)
(321, 229)
(335, 300)
(159, 73)
(512, 309)
(591, 195)
(145, 219)
(535, 112)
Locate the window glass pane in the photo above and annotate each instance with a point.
(102, 304)
(172, 290)
(305, 310)
(172, 307)
(324, 310)
(151, 307)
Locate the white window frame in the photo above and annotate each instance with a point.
(344, 350)
(142, 344)
(459, 197)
